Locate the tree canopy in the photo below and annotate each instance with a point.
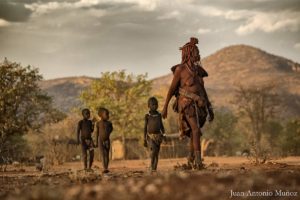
(23, 105)
(125, 96)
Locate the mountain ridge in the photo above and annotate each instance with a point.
(228, 68)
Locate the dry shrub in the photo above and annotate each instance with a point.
(81, 176)
(260, 152)
(56, 142)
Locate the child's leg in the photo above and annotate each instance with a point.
(156, 155)
(101, 148)
(84, 154)
(106, 153)
(91, 158)
(152, 155)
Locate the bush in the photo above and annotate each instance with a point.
(56, 142)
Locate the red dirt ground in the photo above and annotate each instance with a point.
(224, 178)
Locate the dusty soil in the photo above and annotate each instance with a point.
(224, 178)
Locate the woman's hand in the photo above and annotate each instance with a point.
(145, 143)
(164, 113)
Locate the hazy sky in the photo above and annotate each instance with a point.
(87, 37)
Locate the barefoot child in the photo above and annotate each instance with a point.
(103, 131)
(153, 131)
(84, 137)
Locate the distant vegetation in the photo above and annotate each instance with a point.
(223, 131)
(257, 128)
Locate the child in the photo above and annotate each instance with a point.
(154, 131)
(84, 136)
(104, 129)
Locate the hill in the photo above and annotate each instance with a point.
(245, 65)
(227, 68)
(65, 91)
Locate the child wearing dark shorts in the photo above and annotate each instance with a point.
(154, 132)
(103, 130)
(85, 129)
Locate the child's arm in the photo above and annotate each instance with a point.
(78, 131)
(92, 125)
(97, 133)
(145, 130)
(110, 128)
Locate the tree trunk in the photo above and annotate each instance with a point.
(124, 145)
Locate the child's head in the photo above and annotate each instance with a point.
(103, 113)
(152, 103)
(86, 113)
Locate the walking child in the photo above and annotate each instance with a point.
(85, 129)
(153, 131)
(103, 130)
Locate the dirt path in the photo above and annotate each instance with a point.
(223, 178)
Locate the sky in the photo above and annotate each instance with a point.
(86, 37)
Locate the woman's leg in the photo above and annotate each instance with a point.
(196, 133)
(191, 156)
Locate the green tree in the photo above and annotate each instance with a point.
(290, 140)
(23, 106)
(125, 96)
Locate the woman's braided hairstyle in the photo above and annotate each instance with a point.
(190, 51)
